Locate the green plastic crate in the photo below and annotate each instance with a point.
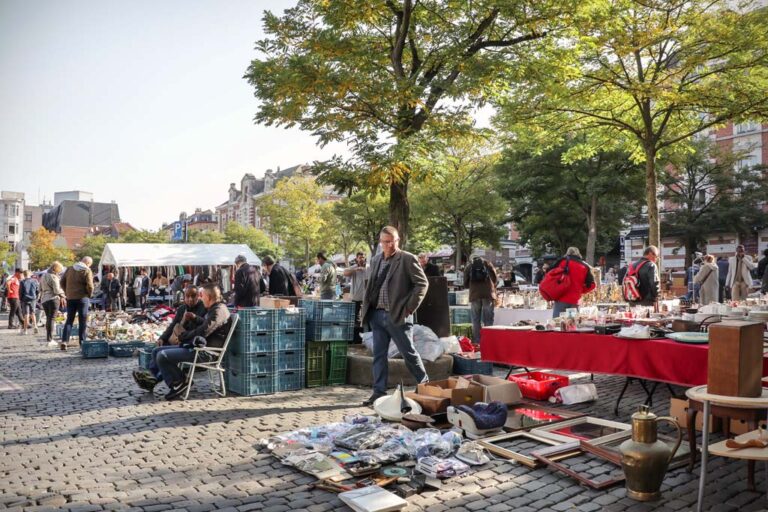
(316, 363)
(460, 330)
(337, 362)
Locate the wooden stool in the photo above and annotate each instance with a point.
(751, 416)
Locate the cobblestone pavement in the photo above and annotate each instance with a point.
(79, 435)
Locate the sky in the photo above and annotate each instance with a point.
(141, 102)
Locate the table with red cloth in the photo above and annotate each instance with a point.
(661, 360)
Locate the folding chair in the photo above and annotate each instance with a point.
(215, 364)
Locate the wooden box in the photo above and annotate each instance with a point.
(271, 302)
(735, 366)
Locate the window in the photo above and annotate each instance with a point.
(749, 126)
(12, 229)
(28, 217)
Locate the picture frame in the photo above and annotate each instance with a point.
(608, 448)
(527, 416)
(586, 428)
(553, 457)
(492, 444)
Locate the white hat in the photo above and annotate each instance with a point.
(388, 407)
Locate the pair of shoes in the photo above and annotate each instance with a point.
(144, 379)
(176, 391)
(371, 399)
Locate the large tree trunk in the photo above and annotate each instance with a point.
(400, 209)
(592, 231)
(654, 229)
(457, 231)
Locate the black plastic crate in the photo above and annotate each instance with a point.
(330, 331)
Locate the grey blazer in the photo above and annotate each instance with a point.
(407, 286)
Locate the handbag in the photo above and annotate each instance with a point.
(295, 284)
(556, 283)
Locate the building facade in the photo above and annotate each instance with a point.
(201, 220)
(73, 220)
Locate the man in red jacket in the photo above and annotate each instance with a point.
(582, 281)
(12, 287)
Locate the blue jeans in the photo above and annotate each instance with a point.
(79, 306)
(168, 360)
(383, 330)
(560, 307)
(478, 308)
(154, 369)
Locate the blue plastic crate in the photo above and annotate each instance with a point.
(291, 339)
(126, 349)
(245, 384)
(326, 331)
(460, 315)
(249, 342)
(451, 298)
(290, 319)
(257, 319)
(255, 363)
(328, 310)
(145, 357)
(94, 349)
(291, 360)
(289, 380)
(470, 366)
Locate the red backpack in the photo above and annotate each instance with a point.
(556, 283)
(630, 287)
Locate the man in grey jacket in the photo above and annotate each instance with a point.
(396, 287)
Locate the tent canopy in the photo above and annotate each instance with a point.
(162, 255)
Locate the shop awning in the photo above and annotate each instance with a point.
(161, 255)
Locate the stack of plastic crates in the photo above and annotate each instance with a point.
(330, 328)
(289, 374)
(251, 360)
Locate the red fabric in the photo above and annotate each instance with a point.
(662, 360)
(13, 287)
(578, 272)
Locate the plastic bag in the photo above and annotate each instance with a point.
(450, 345)
(575, 394)
(466, 344)
(427, 343)
(392, 352)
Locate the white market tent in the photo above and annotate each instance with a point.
(169, 255)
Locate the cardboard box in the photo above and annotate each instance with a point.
(273, 303)
(430, 404)
(678, 409)
(739, 427)
(496, 389)
(457, 389)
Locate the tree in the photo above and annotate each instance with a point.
(645, 77)
(92, 246)
(253, 237)
(42, 251)
(390, 78)
(709, 191)
(7, 256)
(364, 215)
(556, 204)
(142, 236)
(294, 211)
(197, 236)
(460, 203)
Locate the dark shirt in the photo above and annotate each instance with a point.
(247, 286)
(111, 288)
(30, 290)
(431, 270)
(280, 281)
(198, 310)
(722, 267)
(213, 327)
(647, 282)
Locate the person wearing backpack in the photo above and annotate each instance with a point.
(480, 277)
(30, 293)
(581, 280)
(643, 276)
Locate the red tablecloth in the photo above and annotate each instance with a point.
(662, 360)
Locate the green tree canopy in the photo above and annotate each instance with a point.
(555, 205)
(364, 215)
(142, 236)
(253, 237)
(391, 78)
(93, 246)
(643, 77)
(709, 191)
(197, 236)
(42, 251)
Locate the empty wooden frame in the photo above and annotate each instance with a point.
(585, 428)
(493, 445)
(554, 455)
(608, 448)
(528, 416)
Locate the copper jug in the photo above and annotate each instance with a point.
(644, 458)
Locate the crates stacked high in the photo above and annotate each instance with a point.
(329, 320)
(289, 374)
(330, 327)
(251, 356)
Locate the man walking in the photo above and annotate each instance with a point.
(13, 287)
(647, 272)
(247, 279)
(358, 273)
(327, 278)
(280, 280)
(395, 289)
(739, 278)
(29, 293)
(480, 278)
(78, 288)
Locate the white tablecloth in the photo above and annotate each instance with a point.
(504, 316)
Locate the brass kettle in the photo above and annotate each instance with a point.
(644, 458)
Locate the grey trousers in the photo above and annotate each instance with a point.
(481, 309)
(383, 329)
